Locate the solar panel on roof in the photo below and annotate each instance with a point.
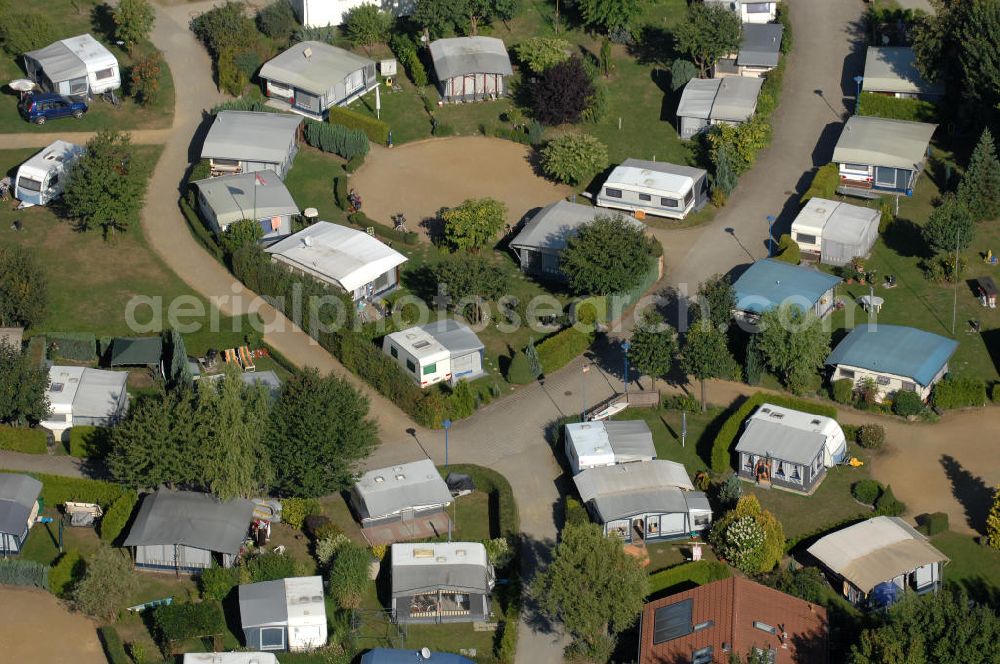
(672, 621)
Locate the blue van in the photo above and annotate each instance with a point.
(39, 108)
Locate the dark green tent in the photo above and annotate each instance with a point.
(136, 351)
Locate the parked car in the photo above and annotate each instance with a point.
(39, 108)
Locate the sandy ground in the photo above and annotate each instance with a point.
(37, 628)
(418, 179)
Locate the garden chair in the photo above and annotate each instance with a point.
(230, 355)
(246, 359)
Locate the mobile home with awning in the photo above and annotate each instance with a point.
(892, 71)
(309, 77)
(441, 582)
(247, 142)
(470, 68)
(710, 101)
(261, 197)
(769, 284)
(833, 232)
(83, 396)
(399, 493)
(286, 614)
(877, 156)
(18, 510)
(79, 66)
(607, 442)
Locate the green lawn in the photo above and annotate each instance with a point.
(68, 21)
(973, 566)
(666, 427)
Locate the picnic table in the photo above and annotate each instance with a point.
(871, 302)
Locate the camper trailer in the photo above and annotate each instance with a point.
(79, 66)
(656, 188)
(43, 177)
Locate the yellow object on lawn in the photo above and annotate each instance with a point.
(855, 462)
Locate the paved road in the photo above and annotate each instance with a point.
(826, 56)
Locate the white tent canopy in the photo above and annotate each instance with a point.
(77, 66)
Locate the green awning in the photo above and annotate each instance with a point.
(136, 351)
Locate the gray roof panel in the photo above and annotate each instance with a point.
(880, 142)
(197, 520)
(241, 196)
(456, 337)
(18, 494)
(412, 579)
(245, 135)
(737, 98)
(761, 45)
(631, 477)
(325, 67)
(893, 69)
(263, 603)
(698, 97)
(387, 491)
(99, 392)
(459, 56)
(553, 225)
(631, 440)
(59, 62)
(780, 441)
(667, 499)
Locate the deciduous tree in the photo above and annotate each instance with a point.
(134, 21)
(562, 93)
(574, 158)
(22, 387)
(474, 224)
(793, 343)
(653, 346)
(708, 33)
(706, 355)
(609, 15)
(993, 521)
(592, 586)
(23, 288)
(949, 227)
(716, 301)
(540, 53)
(367, 25)
(749, 536)
(319, 432)
(106, 585)
(606, 256)
(348, 579)
(979, 190)
(105, 189)
(144, 77)
(242, 233)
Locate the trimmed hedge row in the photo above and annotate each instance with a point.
(117, 516)
(73, 346)
(57, 489)
(362, 220)
(338, 139)
(185, 621)
(731, 427)
(86, 441)
(698, 573)
(22, 439)
(113, 646)
(891, 108)
(561, 348)
(16, 572)
(376, 130)
(959, 392)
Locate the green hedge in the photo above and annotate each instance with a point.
(376, 130)
(73, 346)
(185, 621)
(575, 513)
(824, 184)
(731, 427)
(959, 392)
(57, 489)
(362, 220)
(17, 572)
(698, 573)
(561, 348)
(117, 516)
(38, 349)
(217, 582)
(933, 523)
(785, 19)
(66, 571)
(200, 231)
(113, 646)
(891, 108)
(87, 442)
(22, 439)
(338, 139)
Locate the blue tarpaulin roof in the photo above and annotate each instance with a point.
(894, 349)
(393, 656)
(768, 284)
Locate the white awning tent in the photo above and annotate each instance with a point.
(792, 435)
(78, 66)
(838, 231)
(604, 443)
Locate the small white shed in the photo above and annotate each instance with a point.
(43, 177)
(79, 66)
(419, 353)
(287, 614)
(834, 232)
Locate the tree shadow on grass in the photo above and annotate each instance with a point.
(536, 554)
(975, 495)
(904, 237)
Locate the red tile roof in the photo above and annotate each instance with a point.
(733, 605)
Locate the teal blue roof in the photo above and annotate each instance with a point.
(768, 283)
(894, 349)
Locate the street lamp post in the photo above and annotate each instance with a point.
(447, 425)
(770, 235)
(857, 99)
(625, 346)
(583, 392)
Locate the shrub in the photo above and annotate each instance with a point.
(866, 491)
(354, 163)
(807, 583)
(561, 348)
(498, 551)
(749, 537)
(824, 183)
(785, 19)
(317, 526)
(376, 130)
(144, 79)
(348, 579)
(871, 436)
(328, 547)
(215, 583)
(113, 646)
(15, 572)
(277, 21)
(21, 32)
(698, 573)
(107, 583)
(684, 402)
(731, 427)
(562, 93)
(730, 491)
(850, 431)
(270, 567)
(887, 504)
(995, 393)
(929, 524)
(539, 53)
(295, 510)
(247, 63)
(574, 158)
(22, 439)
(959, 392)
(225, 27)
(788, 250)
(338, 139)
(117, 516)
(842, 390)
(175, 622)
(67, 570)
(519, 370)
(461, 402)
(907, 403)
(576, 513)
(405, 50)
(231, 79)
(891, 108)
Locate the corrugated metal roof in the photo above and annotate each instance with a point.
(698, 97)
(761, 45)
(247, 196)
(880, 142)
(874, 551)
(736, 99)
(894, 349)
(769, 283)
(199, 520)
(553, 225)
(893, 69)
(18, 494)
(459, 56)
(666, 500)
(324, 67)
(386, 491)
(250, 136)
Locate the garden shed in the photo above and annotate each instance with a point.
(644, 501)
(186, 531)
(833, 232)
(260, 196)
(443, 350)
(247, 142)
(710, 101)
(608, 442)
(18, 510)
(883, 551)
(400, 493)
(895, 357)
(311, 76)
(347, 258)
(287, 614)
(789, 448)
(878, 156)
(136, 351)
(441, 582)
(79, 66)
(82, 396)
(470, 68)
(655, 187)
(892, 71)
(769, 284)
(760, 48)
